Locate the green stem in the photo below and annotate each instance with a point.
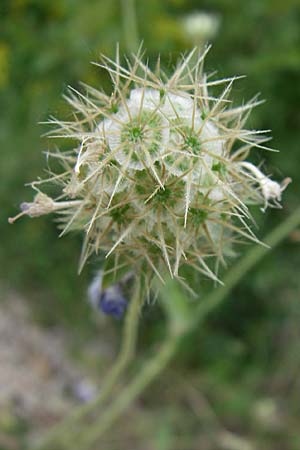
(148, 373)
(245, 264)
(130, 24)
(64, 433)
(161, 359)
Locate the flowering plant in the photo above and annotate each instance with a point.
(157, 177)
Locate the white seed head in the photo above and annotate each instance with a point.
(157, 177)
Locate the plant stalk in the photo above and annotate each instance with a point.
(147, 374)
(65, 432)
(130, 30)
(168, 350)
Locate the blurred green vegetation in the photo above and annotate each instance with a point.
(248, 351)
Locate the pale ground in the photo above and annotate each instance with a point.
(39, 382)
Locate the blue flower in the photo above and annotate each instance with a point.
(112, 302)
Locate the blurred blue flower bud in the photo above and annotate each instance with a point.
(84, 390)
(110, 301)
(24, 206)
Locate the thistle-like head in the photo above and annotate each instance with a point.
(157, 177)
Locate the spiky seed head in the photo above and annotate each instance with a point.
(157, 177)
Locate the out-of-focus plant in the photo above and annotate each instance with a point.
(158, 178)
(200, 27)
(4, 64)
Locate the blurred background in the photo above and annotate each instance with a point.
(235, 384)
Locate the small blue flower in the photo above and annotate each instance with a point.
(112, 302)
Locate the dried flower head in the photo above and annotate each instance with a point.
(157, 177)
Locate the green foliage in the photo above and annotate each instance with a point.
(249, 349)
